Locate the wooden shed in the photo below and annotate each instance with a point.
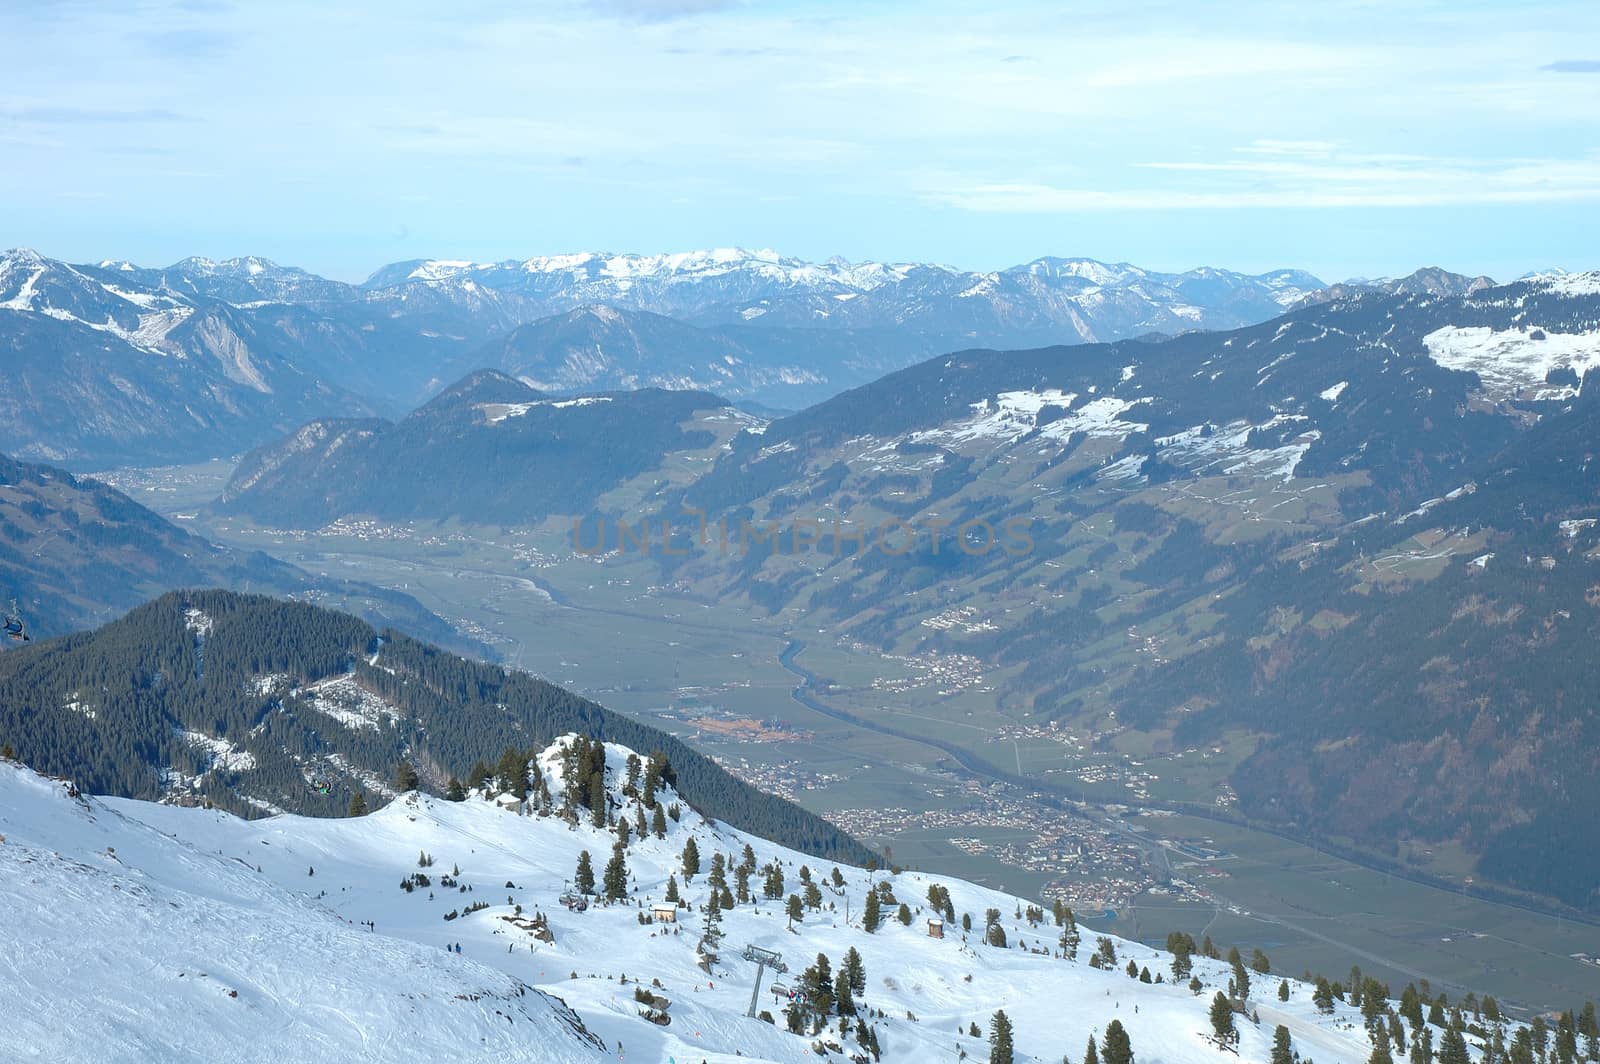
(664, 912)
(935, 928)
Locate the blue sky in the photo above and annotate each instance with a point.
(1348, 137)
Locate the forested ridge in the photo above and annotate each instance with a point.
(224, 697)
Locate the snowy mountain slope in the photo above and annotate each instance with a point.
(99, 368)
(125, 944)
(929, 990)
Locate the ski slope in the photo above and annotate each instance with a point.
(140, 920)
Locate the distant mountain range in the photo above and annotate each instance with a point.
(113, 363)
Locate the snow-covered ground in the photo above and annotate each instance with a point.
(141, 920)
(1513, 363)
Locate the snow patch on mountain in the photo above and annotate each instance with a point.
(1514, 363)
(160, 946)
(162, 913)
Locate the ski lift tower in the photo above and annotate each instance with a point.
(764, 959)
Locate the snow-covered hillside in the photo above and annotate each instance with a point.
(187, 934)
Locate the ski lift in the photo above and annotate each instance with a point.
(573, 900)
(16, 631)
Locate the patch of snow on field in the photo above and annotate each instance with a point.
(1513, 364)
(1012, 415)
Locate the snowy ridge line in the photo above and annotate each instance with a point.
(459, 963)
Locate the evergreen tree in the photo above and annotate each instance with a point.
(1283, 990)
(794, 909)
(691, 859)
(1222, 1019)
(1115, 1047)
(1091, 1055)
(1322, 997)
(904, 914)
(405, 777)
(1380, 1051)
(843, 999)
(1069, 934)
(658, 823)
(454, 792)
(1259, 962)
(616, 874)
(855, 970)
(672, 889)
(583, 878)
(1000, 1051)
(871, 918)
(1282, 1046)
(358, 804)
(1453, 1048)
(597, 799)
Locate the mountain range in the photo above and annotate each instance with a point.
(112, 363)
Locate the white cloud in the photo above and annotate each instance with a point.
(1279, 174)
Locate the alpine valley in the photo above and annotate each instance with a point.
(794, 652)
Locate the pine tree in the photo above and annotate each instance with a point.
(1380, 1051)
(1322, 997)
(844, 1000)
(405, 777)
(1069, 935)
(583, 878)
(856, 970)
(597, 799)
(672, 889)
(1222, 1019)
(1283, 990)
(658, 823)
(454, 792)
(904, 914)
(1115, 1047)
(616, 874)
(358, 804)
(871, 918)
(1282, 1046)
(1000, 1051)
(691, 859)
(794, 909)
(1453, 1048)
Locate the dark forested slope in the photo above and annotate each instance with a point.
(259, 704)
